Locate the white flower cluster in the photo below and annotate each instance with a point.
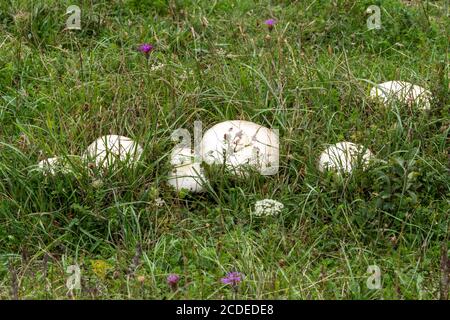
(157, 67)
(159, 202)
(267, 207)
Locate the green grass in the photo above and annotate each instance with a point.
(309, 78)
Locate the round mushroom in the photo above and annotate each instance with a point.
(108, 150)
(344, 157)
(54, 165)
(238, 144)
(404, 92)
(186, 174)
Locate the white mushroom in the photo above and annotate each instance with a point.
(181, 156)
(186, 174)
(108, 150)
(239, 143)
(404, 92)
(54, 165)
(344, 157)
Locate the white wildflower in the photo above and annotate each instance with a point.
(221, 52)
(97, 183)
(186, 74)
(157, 67)
(159, 202)
(268, 207)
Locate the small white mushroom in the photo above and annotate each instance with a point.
(54, 165)
(238, 144)
(110, 149)
(403, 92)
(186, 174)
(344, 157)
(181, 156)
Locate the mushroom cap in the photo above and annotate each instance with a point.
(109, 149)
(54, 165)
(404, 92)
(181, 156)
(189, 177)
(186, 173)
(238, 143)
(344, 157)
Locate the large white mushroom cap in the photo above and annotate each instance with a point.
(186, 173)
(344, 157)
(239, 143)
(404, 92)
(109, 149)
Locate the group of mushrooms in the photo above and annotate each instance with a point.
(239, 145)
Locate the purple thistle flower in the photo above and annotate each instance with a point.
(146, 48)
(270, 23)
(173, 279)
(232, 278)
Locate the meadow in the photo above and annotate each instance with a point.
(214, 60)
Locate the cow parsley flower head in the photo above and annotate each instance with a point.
(267, 207)
(159, 202)
(157, 67)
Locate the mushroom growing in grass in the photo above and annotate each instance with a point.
(403, 92)
(186, 173)
(109, 150)
(239, 144)
(55, 165)
(343, 157)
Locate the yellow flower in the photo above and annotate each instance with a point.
(100, 268)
